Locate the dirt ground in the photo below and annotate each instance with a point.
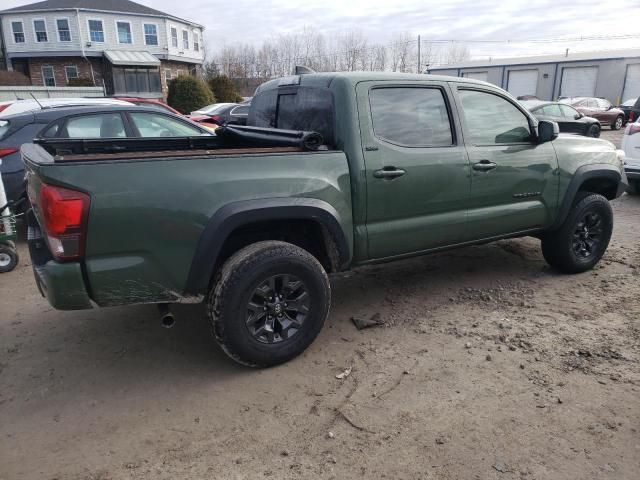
(489, 366)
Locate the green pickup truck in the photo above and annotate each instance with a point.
(409, 164)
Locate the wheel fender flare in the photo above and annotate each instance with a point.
(602, 171)
(234, 215)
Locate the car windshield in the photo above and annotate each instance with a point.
(630, 103)
(4, 128)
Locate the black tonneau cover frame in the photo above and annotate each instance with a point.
(226, 137)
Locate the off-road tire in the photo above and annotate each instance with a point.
(594, 131)
(8, 257)
(634, 187)
(618, 123)
(235, 285)
(559, 246)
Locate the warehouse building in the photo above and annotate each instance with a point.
(614, 75)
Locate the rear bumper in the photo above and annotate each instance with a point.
(62, 284)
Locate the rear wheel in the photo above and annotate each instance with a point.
(269, 303)
(581, 241)
(618, 123)
(594, 131)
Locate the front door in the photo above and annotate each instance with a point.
(416, 168)
(513, 179)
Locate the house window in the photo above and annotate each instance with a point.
(174, 37)
(48, 78)
(96, 31)
(71, 72)
(150, 34)
(136, 80)
(18, 32)
(196, 41)
(124, 32)
(40, 28)
(64, 32)
(168, 76)
(185, 40)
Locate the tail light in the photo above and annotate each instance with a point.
(3, 106)
(631, 116)
(634, 128)
(64, 214)
(7, 150)
(216, 118)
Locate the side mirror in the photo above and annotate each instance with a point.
(578, 116)
(547, 131)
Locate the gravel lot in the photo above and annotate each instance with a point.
(489, 366)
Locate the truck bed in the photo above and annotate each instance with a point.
(149, 210)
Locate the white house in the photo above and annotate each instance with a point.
(131, 49)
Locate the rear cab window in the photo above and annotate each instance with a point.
(411, 116)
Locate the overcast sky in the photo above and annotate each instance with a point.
(252, 21)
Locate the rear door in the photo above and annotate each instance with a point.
(513, 179)
(417, 171)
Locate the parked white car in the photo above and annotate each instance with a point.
(631, 147)
(19, 106)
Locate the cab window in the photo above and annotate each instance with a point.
(491, 119)
(410, 116)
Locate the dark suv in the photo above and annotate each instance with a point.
(599, 108)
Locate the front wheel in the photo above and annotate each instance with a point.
(269, 303)
(594, 131)
(581, 241)
(618, 123)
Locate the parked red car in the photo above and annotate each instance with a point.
(599, 108)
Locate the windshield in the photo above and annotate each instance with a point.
(4, 128)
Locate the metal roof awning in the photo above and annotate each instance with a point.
(129, 58)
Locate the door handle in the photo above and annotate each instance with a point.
(389, 172)
(484, 165)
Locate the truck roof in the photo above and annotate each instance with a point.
(324, 79)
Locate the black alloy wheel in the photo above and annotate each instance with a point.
(588, 235)
(277, 308)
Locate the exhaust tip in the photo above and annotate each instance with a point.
(168, 320)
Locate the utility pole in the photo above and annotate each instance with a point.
(419, 58)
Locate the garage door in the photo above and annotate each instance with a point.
(632, 82)
(522, 82)
(579, 81)
(476, 75)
